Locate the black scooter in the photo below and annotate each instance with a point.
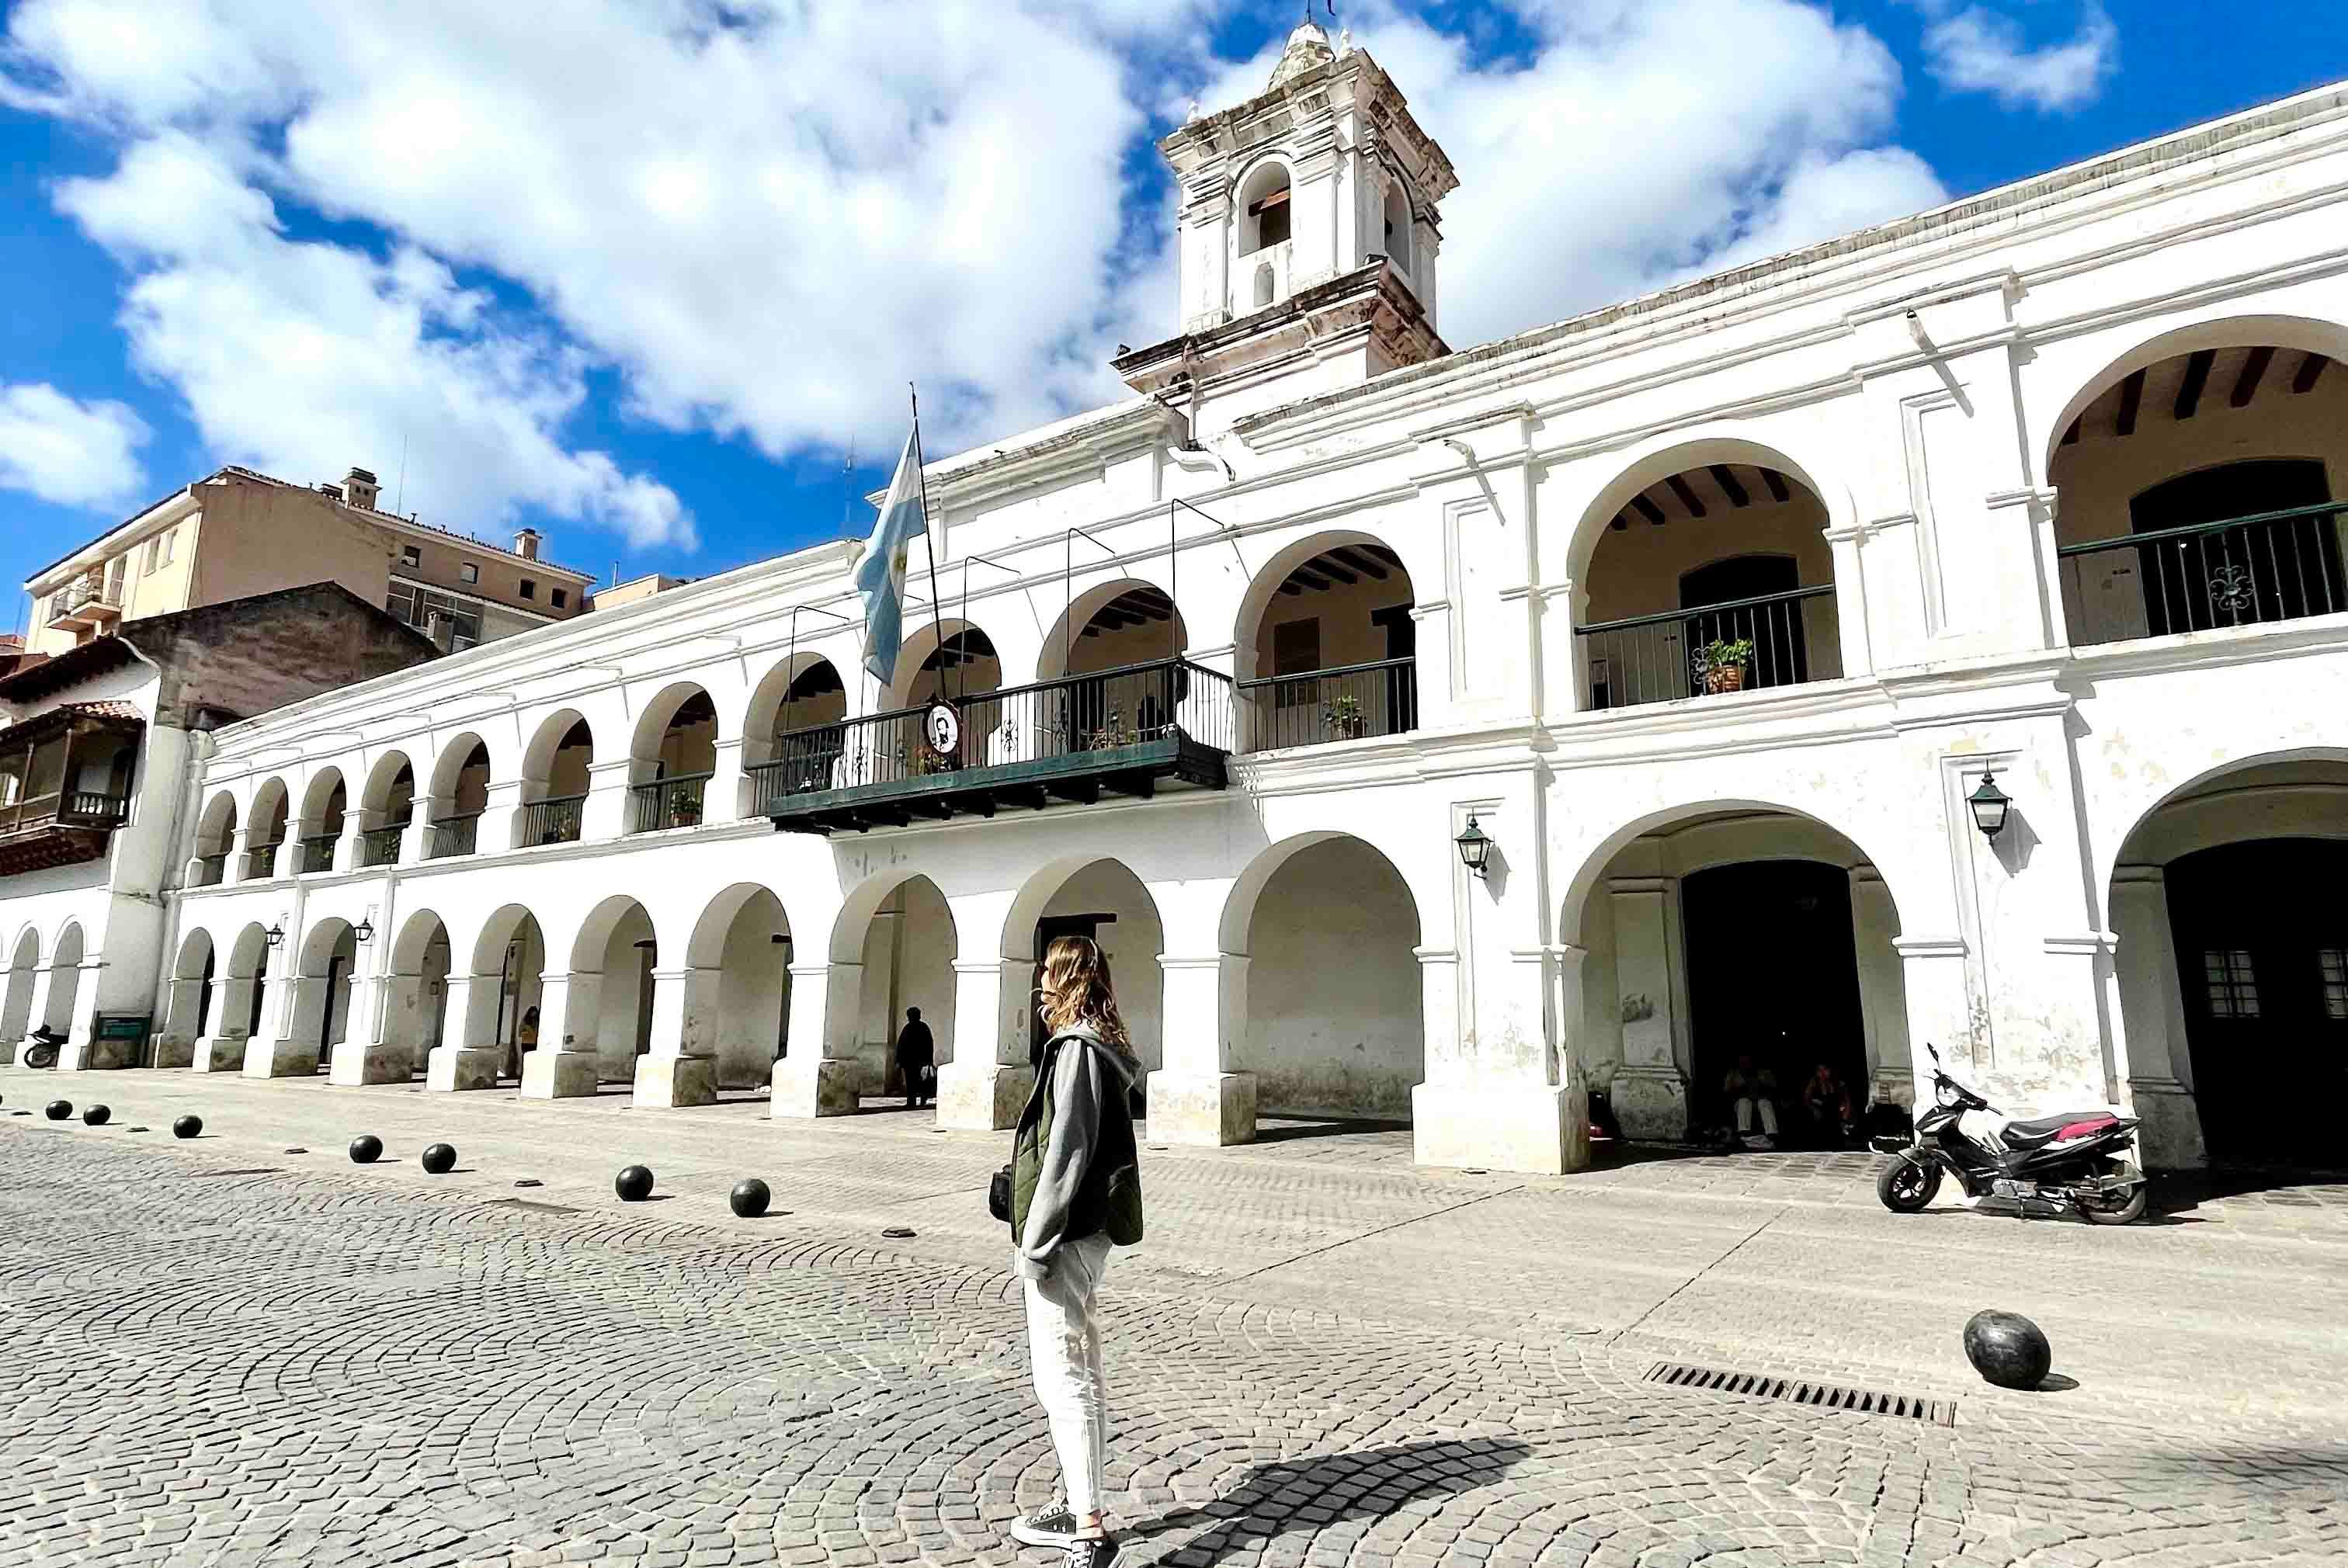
(41, 1047)
(2052, 1164)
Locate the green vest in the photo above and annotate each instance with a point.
(1109, 1197)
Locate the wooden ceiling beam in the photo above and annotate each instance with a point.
(2254, 370)
(1622, 521)
(2131, 400)
(1360, 561)
(2197, 377)
(2311, 370)
(1329, 566)
(1311, 579)
(2071, 437)
(1776, 483)
(1723, 476)
(1688, 498)
(1384, 554)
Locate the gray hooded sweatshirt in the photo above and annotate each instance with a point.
(1083, 1079)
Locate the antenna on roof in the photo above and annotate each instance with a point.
(399, 503)
(847, 492)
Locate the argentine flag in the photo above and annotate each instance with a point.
(881, 575)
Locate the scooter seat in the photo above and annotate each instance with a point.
(2042, 1131)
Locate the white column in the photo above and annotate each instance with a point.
(1883, 1011)
(605, 814)
(564, 1067)
(1940, 1002)
(985, 1085)
(416, 845)
(468, 1056)
(239, 867)
(377, 1045)
(1512, 1103)
(351, 846)
(2155, 1061)
(1649, 1093)
(1199, 1096)
(681, 1068)
(1850, 600)
(287, 1045)
(175, 1043)
(502, 802)
(221, 1047)
(820, 1076)
(80, 1050)
(726, 799)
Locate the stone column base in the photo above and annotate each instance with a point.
(175, 1053)
(1650, 1102)
(983, 1097)
(354, 1064)
(281, 1058)
(94, 1055)
(806, 1088)
(217, 1053)
(451, 1068)
(668, 1082)
(8, 1052)
(1204, 1110)
(2171, 1138)
(1540, 1129)
(551, 1075)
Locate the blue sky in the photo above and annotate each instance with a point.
(638, 272)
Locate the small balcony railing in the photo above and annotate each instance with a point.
(318, 853)
(1685, 654)
(667, 802)
(380, 846)
(1028, 742)
(90, 599)
(260, 862)
(453, 836)
(1347, 703)
(212, 870)
(69, 808)
(2240, 571)
(554, 820)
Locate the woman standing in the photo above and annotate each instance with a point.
(1075, 1190)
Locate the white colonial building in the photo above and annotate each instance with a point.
(1711, 610)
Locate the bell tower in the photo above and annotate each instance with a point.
(1309, 230)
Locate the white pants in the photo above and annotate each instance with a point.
(1064, 1348)
(1769, 1115)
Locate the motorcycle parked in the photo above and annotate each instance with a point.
(2057, 1163)
(41, 1047)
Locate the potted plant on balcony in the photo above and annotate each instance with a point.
(1343, 719)
(685, 812)
(1720, 664)
(1112, 734)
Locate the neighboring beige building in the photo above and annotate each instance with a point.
(636, 589)
(237, 533)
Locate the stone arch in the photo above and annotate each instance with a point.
(460, 795)
(1656, 460)
(215, 840)
(16, 997)
(969, 664)
(1069, 893)
(618, 944)
(387, 798)
(557, 771)
(266, 829)
(319, 1012)
(1397, 217)
(188, 996)
(1335, 1020)
(898, 937)
(672, 756)
(66, 954)
(1349, 597)
(507, 970)
(415, 996)
(744, 937)
(1259, 226)
(795, 729)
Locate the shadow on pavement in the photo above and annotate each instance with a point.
(1308, 1494)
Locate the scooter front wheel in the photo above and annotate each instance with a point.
(40, 1056)
(1907, 1184)
(2114, 1212)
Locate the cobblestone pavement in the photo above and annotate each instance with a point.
(244, 1350)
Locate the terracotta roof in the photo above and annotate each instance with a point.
(109, 709)
(63, 715)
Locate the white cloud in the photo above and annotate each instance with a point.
(1978, 50)
(63, 450)
(764, 220)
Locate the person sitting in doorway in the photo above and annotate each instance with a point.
(1833, 1121)
(1752, 1091)
(917, 1058)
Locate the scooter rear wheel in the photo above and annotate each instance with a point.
(2123, 1212)
(1907, 1186)
(40, 1056)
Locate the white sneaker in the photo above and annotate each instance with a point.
(1051, 1525)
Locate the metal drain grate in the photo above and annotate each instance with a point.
(254, 1171)
(1798, 1391)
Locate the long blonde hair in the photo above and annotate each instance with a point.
(1076, 992)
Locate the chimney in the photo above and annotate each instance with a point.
(441, 628)
(362, 487)
(526, 544)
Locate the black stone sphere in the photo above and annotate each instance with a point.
(365, 1149)
(439, 1160)
(634, 1184)
(97, 1115)
(186, 1126)
(2008, 1349)
(749, 1197)
(58, 1110)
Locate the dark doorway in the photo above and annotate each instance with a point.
(1773, 969)
(336, 973)
(1781, 654)
(1048, 931)
(260, 996)
(2278, 570)
(1402, 685)
(2265, 983)
(204, 996)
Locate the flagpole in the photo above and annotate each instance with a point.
(937, 605)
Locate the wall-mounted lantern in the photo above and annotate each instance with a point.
(1990, 806)
(277, 933)
(1475, 848)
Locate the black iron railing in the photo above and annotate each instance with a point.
(667, 802)
(556, 820)
(260, 862)
(1325, 706)
(69, 808)
(2240, 571)
(1691, 652)
(454, 835)
(380, 846)
(1170, 699)
(318, 853)
(212, 870)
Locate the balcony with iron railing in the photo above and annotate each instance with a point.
(557, 820)
(1118, 732)
(454, 835)
(260, 862)
(63, 828)
(1769, 640)
(380, 846)
(212, 870)
(665, 803)
(2251, 570)
(1323, 706)
(91, 601)
(318, 853)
